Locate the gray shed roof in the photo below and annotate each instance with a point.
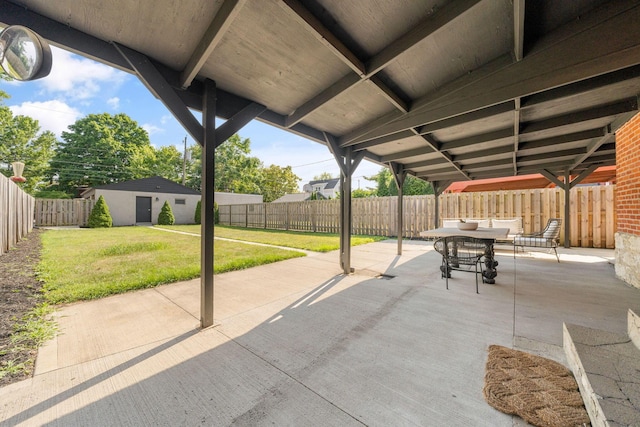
(155, 184)
(448, 90)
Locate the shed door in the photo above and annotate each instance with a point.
(143, 209)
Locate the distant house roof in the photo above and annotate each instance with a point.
(155, 184)
(601, 175)
(330, 183)
(295, 197)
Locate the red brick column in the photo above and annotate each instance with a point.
(628, 201)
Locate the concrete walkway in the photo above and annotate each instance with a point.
(300, 344)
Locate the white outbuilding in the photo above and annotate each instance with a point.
(139, 201)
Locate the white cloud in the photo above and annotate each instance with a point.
(77, 78)
(114, 102)
(53, 115)
(152, 129)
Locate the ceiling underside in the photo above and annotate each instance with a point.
(447, 90)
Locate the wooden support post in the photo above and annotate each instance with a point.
(399, 175)
(567, 208)
(348, 161)
(207, 205)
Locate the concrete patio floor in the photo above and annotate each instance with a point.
(300, 344)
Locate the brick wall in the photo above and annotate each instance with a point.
(628, 202)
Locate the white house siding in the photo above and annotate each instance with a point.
(122, 205)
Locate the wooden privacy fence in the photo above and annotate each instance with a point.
(61, 212)
(16, 214)
(592, 213)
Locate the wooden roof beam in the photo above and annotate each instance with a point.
(366, 71)
(211, 38)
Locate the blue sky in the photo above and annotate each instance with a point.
(78, 86)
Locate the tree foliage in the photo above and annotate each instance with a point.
(165, 161)
(100, 217)
(235, 170)
(324, 176)
(386, 185)
(166, 217)
(360, 193)
(20, 141)
(278, 181)
(99, 149)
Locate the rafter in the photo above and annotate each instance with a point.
(625, 106)
(518, 29)
(219, 25)
(585, 49)
(562, 139)
(477, 139)
(367, 71)
(157, 84)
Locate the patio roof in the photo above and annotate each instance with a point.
(449, 90)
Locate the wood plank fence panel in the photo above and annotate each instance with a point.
(62, 212)
(592, 213)
(16, 214)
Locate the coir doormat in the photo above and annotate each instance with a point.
(541, 391)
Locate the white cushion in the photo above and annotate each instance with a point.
(450, 223)
(512, 224)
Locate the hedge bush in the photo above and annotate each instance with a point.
(166, 215)
(100, 217)
(198, 217)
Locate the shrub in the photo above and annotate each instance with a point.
(198, 217)
(166, 215)
(52, 194)
(216, 213)
(100, 216)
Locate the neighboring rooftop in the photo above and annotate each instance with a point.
(155, 184)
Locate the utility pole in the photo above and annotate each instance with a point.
(184, 163)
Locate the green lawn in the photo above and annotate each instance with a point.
(317, 242)
(81, 264)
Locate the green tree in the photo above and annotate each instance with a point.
(20, 141)
(100, 217)
(278, 181)
(235, 170)
(165, 161)
(98, 149)
(386, 185)
(360, 193)
(165, 217)
(324, 176)
(194, 168)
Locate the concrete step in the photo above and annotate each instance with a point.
(607, 368)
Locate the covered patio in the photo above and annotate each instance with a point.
(442, 90)
(300, 343)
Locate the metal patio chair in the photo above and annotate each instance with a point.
(460, 253)
(548, 238)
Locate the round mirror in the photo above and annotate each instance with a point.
(23, 54)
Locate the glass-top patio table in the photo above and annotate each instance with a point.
(488, 237)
